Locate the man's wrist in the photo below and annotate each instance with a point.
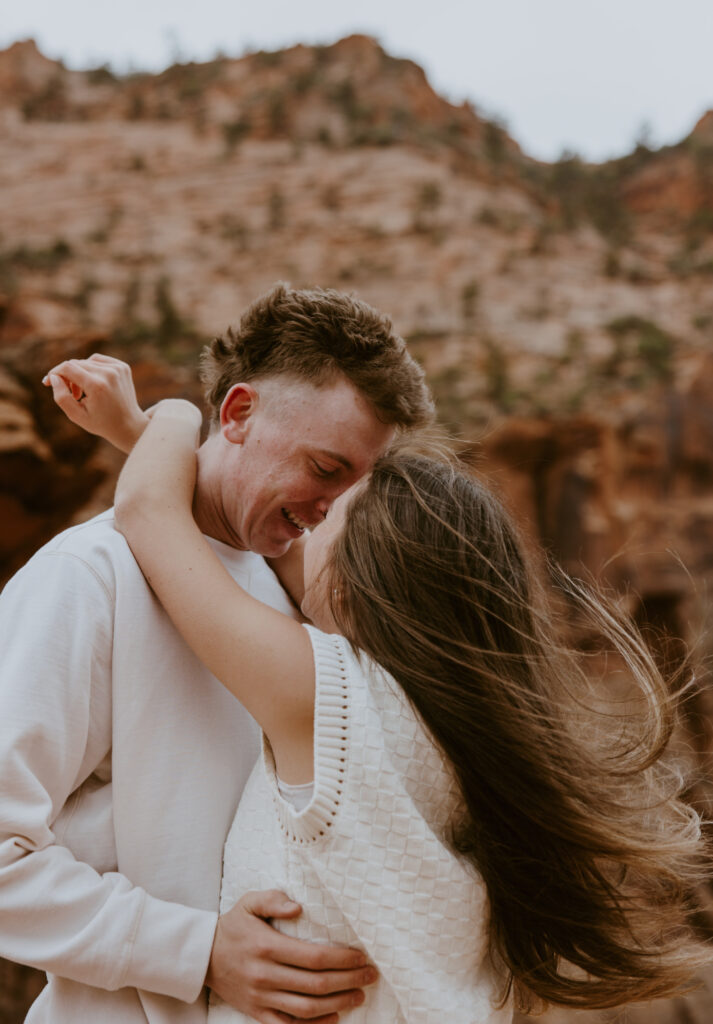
(185, 936)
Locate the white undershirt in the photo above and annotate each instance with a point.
(298, 796)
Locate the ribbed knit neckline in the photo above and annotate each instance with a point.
(331, 741)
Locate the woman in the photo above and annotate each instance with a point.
(433, 786)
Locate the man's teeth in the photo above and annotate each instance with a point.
(295, 520)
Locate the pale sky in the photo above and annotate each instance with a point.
(562, 74)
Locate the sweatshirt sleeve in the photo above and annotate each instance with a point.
(57, 913)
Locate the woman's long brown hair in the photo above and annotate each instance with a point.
(575, 825)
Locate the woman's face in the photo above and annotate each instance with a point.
(315, 604)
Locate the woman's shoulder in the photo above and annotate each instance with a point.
(370, 684)
(338, 663)
(331, 650)
(383, 730)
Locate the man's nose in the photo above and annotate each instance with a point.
(322, 505)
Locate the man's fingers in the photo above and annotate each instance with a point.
(270, 903)
(316, 983)
(275, 1017)
(331, 1018)
(313, 956)
(306, 1008)
(277, 978)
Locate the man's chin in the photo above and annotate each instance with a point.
(272, 548)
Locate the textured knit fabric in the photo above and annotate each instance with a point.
(366, 858)
(122, 761)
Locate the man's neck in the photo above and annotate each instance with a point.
(206, 508)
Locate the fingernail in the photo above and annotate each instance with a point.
(289, 905)
(45, 379)
(358, 998)
(371, 975)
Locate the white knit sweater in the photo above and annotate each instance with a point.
(366, 858)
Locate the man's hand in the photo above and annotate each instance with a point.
(98, 394)
(276, 978)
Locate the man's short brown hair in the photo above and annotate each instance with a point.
(313, 335)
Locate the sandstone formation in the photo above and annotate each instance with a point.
(564, 313)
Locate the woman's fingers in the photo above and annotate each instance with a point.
(72, 385)
(98, 394)
(78, 377)
(96, 371)
(60, 387)
(99, 357)
(69, 396)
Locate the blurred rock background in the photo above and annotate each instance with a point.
(563, 312)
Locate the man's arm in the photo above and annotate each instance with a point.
(58, 913)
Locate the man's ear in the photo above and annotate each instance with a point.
(238, 406)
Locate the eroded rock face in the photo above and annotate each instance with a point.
(676, 184)
(351, 90)
(44, 468)
(671, 188)
(627, 497)
(24, 69)
(52, 473)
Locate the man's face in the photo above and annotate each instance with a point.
(292, 448)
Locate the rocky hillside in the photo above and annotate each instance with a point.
(564, 312)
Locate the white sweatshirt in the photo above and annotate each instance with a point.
(122, 761)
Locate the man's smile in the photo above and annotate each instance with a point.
(295, 520)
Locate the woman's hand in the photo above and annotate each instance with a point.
(98, 395)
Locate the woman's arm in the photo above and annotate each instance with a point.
(262, 656)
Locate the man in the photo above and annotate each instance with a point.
(122, 759)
